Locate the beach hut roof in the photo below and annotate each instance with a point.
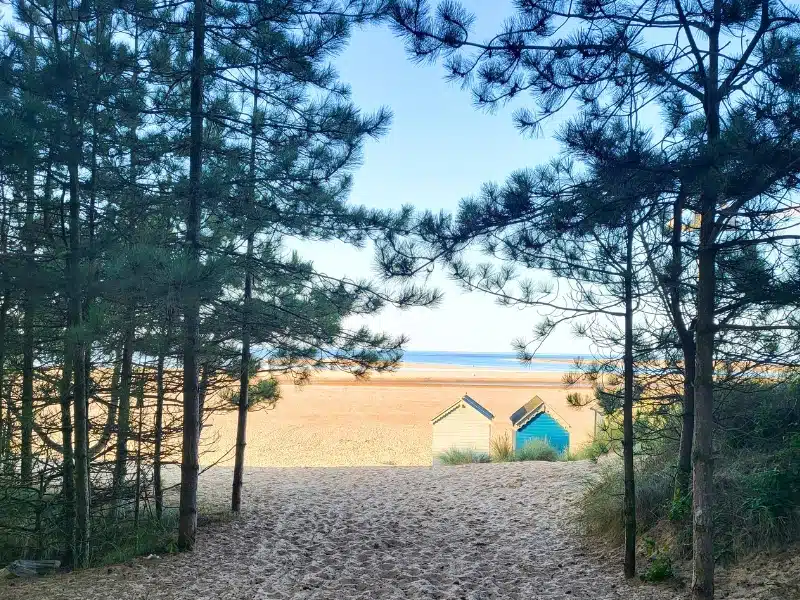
(531, 409)
(465, 400)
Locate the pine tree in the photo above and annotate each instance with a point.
(562, 51)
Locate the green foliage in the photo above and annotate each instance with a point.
(120, 540)
(601, 504)
(591, 451)
(456, 456)
(680, 508)
(659, 566)
(264, 393)
(502, 448)
(102, 247)
(39, 516)
(756, 481)
(537, 450)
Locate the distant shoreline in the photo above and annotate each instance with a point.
(491, 360)
(416, 375)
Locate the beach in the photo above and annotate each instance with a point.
(474, 532)
(336, 420)
(340, 501)
(499, 531)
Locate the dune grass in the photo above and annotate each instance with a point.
(502, 451)
(502, 448)
(537, 450)
(463, 456)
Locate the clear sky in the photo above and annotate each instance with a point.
(439, 149)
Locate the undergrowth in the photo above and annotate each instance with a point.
(32, 530)
(756, 484)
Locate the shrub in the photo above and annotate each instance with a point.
(659, 567)
(456, 456)
(756, 482)
(537, 450)
(502, 448)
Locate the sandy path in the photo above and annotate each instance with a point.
(474, 532)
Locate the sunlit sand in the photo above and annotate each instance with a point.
(385, 420)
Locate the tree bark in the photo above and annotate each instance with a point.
(126, 370)
(29, 307)
(190, 459)
(244, 373)
(686, 337)
(81, 408)
(158, 490)
(629, 499)
(68, 465)
(5, 417)
(702, 453)
(123, 425)
(137, 497)
(26, 420)
(684, 475)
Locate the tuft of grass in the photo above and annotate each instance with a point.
(458, 456)
(502, 448)
(537, 450)
(601, 504)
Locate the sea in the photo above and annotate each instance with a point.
(493, 360)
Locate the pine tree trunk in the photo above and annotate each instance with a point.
(126, 370)
(702, 463)
(5, 417)
(89, 250)
(702, 453)
(81, 409)
(686, 336)
(244, 383)
(7, 426)
(26, 419)
(684, 474)
(629, 499)
(123, 425)
(139, 406)
(190, 458)
(68, 465)
(158, 490)
(244, 373)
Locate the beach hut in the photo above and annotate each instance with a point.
(534, 420)
(465, 425)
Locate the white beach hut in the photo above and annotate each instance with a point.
(465, 425)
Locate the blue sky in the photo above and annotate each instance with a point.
(439, 149)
